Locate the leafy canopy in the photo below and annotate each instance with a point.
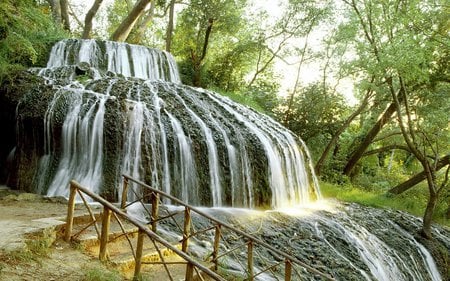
(26, 34)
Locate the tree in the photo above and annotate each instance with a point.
(137, 34)
(65, 14)
(26, 36)
(335, 136)
(401, 44)
(382, 26)
(316, 115)
(169, 31)
(404, 186)
(202, 24)
(420, 134)
(88, 19)
(124, 29)
(60, 11)
(304, 16)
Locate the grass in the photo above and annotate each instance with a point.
(414, 201)
(37, 247)
(101, 274)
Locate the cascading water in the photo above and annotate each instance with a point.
(346, 241)
(127, 60)
(114, 108)
(189, 142)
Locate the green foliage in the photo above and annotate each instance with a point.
(26, 36)
(229, 64)
(399, 47)
(413, 201)
(224, 59)
(316, 113)
(101, 274)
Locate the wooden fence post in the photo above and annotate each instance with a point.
(287, 270)
(138, 261)
(155, 210)
(216, 246)
(189, 272)
(186, 229)
(105, 233)
(70, 212)
(124, 193)
(250, 260)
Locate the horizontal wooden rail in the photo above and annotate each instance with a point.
(290, 260)
(143, 229)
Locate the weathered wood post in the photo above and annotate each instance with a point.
(250, 260)
(216, 246)
(138, 260)
(186, 229)
(124, 193)
(105, 233)
(155, 210)
(189, 272)
(287, 270)
(70, 212)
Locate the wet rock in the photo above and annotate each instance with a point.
(82, 68)
(342, 243)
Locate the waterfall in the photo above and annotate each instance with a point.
(290, 180)
(81, 153)
(111, 108)
(194, 144)
(184, 167)
(125, 59)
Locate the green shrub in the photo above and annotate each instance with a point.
(27, 32)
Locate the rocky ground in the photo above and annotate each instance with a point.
(29, 249)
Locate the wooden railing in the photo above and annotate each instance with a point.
(192, 266)
(288, 265)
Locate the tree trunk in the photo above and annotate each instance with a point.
(88, 19)
(432, 199)
(428, 216)
(124, 29)
(404, 186)
(207, 35)
(65, 14)
(409, 135)
(359, 151)
(196, 79)
(198, 61)
(170, 26)
(137, 33)
(56, 10)
(334, 139)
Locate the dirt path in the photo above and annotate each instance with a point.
(29, 248)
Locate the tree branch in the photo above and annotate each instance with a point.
(400, 188)
(89, 18)
(386, 148)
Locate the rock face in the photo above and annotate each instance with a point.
(346, 241)
(102, 109)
